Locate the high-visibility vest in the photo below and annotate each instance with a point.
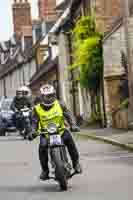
(53, 115)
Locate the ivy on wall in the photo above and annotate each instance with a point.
(88, 53)
(88, 59)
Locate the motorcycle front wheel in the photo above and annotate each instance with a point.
(59, 168)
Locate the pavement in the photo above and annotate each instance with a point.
(107, 172)
(118, 137)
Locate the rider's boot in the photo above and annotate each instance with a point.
(77, 168)
(44, 175)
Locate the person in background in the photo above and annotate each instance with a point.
(20, 101)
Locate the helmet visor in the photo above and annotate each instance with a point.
(19, 94)
(48, 99)
(25, 93)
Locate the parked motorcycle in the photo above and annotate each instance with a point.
(24, 122)
(58, 156)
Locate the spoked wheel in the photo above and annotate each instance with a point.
(27, 128)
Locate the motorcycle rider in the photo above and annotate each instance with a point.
(19, 102)
(50, 106)
(27, 95)
(26, 92)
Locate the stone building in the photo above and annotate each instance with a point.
(70, 89)
(109, 15)
(113, 46)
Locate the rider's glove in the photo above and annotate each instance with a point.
(16, 110)
(75, 128)
(32, 136)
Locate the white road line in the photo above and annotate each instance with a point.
(110, 157)
(108, 153)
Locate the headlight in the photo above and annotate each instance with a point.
(52, 128)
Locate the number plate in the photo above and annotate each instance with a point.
(55, 140)
(26, 114)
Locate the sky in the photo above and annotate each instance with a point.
(6, 26)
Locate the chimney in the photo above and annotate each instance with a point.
(21, 16)
(47, 11)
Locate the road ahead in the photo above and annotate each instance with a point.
(107, 173)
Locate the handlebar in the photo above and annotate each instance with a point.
(24, 109)
(44, 131)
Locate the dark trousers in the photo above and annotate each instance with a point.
(18, 122)
(68, 141)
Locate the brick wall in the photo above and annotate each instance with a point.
(47, 10)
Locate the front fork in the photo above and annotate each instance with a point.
(27, 126)
(64, 158)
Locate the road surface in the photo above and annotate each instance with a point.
(107, 173)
